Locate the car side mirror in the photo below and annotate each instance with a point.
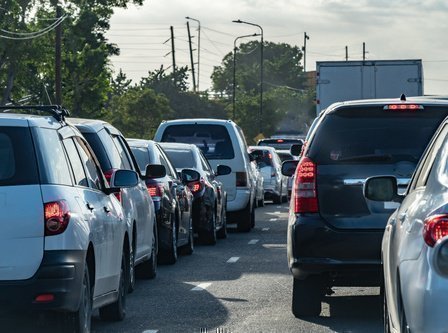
(296, 149)
(382, 188)
(223, 170)
(122, 179)
(189, 175)
(289, 167)
(155, 171)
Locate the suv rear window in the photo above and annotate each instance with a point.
(181, 158)
(279, 143)
(372, 134)
(213, 140)
(18, 164)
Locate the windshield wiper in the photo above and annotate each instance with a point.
(370, 157)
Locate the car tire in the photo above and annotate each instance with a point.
(131, 271)
(188, 248)
(261, 202)
(222, 233)
(208, 237)
(252, 216)
(306, 297)
(116, 311)
(81, 319)
(245, 218)
(148, 269)
(169, 256)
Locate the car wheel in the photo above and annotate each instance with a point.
(261, 202)
(116, 311)
(81, 319)
(245, 219)
(169, 256)
(148, 269)
(189, 247)
(131, 271)
(306, 297)
(222, 233)
(252, 217)
(208, 237)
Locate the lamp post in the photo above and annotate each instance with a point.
(199, 43)
(234, 69)
(260, 115)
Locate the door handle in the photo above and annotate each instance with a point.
(107, 209)
(89, 206)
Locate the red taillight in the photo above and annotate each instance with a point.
(155, 190)
(305, 196)
(197, 186)
(279, 140)
(108, 175)
(436, 227)
(57, 216)
(403, 107)
(241, 179)
(44, 298)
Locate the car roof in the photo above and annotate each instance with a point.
(92, 125)
(140, 142)
(28, 120)
(178, 145)
(262, 148)
(196, 121)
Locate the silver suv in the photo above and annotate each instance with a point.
(64, 243)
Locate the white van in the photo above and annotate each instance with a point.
(222, 142)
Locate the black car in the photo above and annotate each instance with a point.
(172, 199)
(334, 233)
(209, 205)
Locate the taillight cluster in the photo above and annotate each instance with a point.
(241, 179)
(155, 190)
(56, 217)
(305, 194)
(197, 186)
(435, 228)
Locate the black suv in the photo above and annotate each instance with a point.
(334, 233)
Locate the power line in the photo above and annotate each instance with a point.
(33, 35)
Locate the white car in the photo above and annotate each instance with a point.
(223, 143)
(415, 243)
(64, 242)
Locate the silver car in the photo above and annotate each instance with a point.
(415, 242)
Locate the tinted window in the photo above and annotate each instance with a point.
(374, 135)
(122, 150)
(93, 174)
(17, 159)
(108, 158)
(213, 140)
(76, 163)
(142, 157)
(279, 143)
(181, 158)
(52, 160)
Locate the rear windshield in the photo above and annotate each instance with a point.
(279, 143)
(213, 140)
(18, 164)
(373, 135)
(181, 158)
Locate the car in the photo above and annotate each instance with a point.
(258, 184)
(274, 182)
(286, 155)
(210, 197)
(415, 242)
(334, 233)
(173, 201)
(222, 142)
(113, 152)
(65, 245)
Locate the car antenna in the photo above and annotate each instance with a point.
(403, 98)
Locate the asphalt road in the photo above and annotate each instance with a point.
(242, 284)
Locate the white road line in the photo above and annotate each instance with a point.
(253, 241)
(265, 229)
(273, 219)
(201, 286)
(233, 260)
(278, 207)
(151, 331)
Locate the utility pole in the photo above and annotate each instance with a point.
(199, 47)
(305, 37)
(346, 53)
(58, 57)
(173, 55)
(191, 57)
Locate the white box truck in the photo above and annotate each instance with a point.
(338, 81)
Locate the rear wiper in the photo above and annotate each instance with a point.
(370, 157)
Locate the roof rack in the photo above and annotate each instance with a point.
(57, 111)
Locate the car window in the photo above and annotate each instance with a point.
(17, 158)
(279, 143)
(165, 163)
(92, 172)
(205, 165)
(76, 163)
(181, 158)
(142, 157)
(213, 140)
(52, 160)
(169, 165)
(366, 135)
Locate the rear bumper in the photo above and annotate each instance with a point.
(60, 274)
(240, 201)
(348, 257)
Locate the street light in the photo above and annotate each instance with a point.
(199, 43)
(234, 69)
(260, 116)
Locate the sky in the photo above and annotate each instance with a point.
(390, 29)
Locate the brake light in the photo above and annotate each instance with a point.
(435, 228)
(280, 140)
(241, 179)
(197, 186)
(155, 190)
(56, 216)
(44, 298)
(108, 175)
(403, 107)
(305, 195)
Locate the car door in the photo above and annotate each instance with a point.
(215, 184)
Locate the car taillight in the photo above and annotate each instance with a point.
(108, 175)
(403, 107)
(241, 179)
(305, 195)
(56, 216)
(155, 190)
(435, 228)
(197, 186)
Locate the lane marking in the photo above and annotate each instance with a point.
(273, 219)
(201, 286)
(233, 260)
(278, 207)
(265, 229)
(253, 241)
(274, 246)
(151, 331)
